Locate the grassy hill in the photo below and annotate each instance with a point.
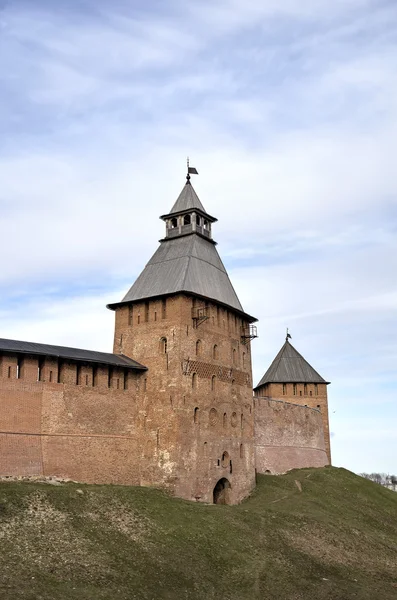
(336, 539)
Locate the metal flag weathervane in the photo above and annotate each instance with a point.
(190, 170)
(288, 336)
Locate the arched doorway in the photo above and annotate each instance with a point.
(221, 491)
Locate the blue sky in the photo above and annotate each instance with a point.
(289, 111)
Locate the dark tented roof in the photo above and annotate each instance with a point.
(187, 200)
(186, 264)
(103, 358)
(290, 367)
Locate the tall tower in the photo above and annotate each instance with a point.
(182, 319)
(292, 379)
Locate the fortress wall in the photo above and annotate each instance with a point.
(311, 395)
(73, 430)
(287, 436)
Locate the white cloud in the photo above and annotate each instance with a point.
(293, 129)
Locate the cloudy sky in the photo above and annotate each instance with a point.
(288, 108)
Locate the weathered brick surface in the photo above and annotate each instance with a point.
(74, 430)
(311, 395)
(287, 436)
(185, 423)
(184, 384)
(20, 455)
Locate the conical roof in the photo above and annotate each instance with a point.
(290, 367)
(186, 263)
(187, 200)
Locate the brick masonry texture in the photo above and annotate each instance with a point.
(287, 434)
(184, 424)
(199, 408)
(310, 395)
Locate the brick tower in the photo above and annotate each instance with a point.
(292, 379)
(182, 319)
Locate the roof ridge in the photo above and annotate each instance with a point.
(290, 366)
(187, 200)
(186, 272)
(303, 358)
(197, 258)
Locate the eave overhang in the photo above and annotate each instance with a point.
(241, 313)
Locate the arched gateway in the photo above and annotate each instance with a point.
(221, 492)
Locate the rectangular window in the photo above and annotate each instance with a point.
(19, 367)
(78, 374)
(110, 377)
(126, 380)
(60, 372)
(315, 389)
(50, 376)
(284, 389)
(163, 308)
(305, 389)
(146, 312)
(9, 372)
(94, 376)
(294, 389)
(130, 314)
(139, 319)
(40, 368)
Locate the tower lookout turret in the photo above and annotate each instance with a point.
(188, 215)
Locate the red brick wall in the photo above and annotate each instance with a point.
(183, 451)
(314, 396)
(184, 424)
(287, 436)
(77, 431)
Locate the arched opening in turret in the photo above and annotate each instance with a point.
(174, 223)
(187, 219)
(222, 492)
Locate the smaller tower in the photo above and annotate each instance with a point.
(292, 379)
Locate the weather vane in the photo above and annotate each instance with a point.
(287, 336)
(190, 170)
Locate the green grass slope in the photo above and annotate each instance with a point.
(335, 539)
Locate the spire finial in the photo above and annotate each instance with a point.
(190, 170)
(288, 336)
